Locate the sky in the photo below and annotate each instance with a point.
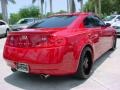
(57, 5)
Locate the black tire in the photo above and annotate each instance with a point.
(85, 64)
(7, 31)
(13, 70)
(114, 44)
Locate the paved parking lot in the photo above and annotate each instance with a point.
(106, 76)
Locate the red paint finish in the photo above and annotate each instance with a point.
(56, 51)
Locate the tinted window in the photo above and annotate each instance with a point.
(54, 22)
(93, 21)
(97, 21)
(118, 17)
(88, 22)
(2, 23)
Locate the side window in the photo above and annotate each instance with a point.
(118, 18)
(88, 22)
(23, 22)
(2, 23)
(96, 21)
(93, 21)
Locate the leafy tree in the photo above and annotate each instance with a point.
(61, 11)
(29, 12)
(107, 6)
(116, 6)
(42, 2)
(25, 13)
(1, 16)
(14, 17)
(4, 8)
(48, 14)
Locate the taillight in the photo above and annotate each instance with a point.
(26, 41)
(18, 41)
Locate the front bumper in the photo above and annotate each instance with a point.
(52, 61)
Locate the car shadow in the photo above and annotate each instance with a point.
(1, 37)
(101, 60)
(34, 82)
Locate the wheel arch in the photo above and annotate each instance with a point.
(89, 46)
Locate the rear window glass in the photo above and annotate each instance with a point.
(54, 22)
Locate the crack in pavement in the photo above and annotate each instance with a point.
(98, 82)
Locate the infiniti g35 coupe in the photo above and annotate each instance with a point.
(61, 44)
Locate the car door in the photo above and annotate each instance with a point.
(106, 34)
(2, 28)
(94, 34)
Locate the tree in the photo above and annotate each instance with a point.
(14, 17)
(72, 6)
(51, 11)
(26, 12)
(81, 4)
(29, 12)
(1, 16)
(4, 8)
(104, 7)
(116, 6)
(95, 2)
(68, 6)
(42, 2)
(61, 11)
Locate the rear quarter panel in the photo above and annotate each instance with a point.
(76, 41)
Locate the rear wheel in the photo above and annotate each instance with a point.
(85, 64)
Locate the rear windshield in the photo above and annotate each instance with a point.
(54, 22)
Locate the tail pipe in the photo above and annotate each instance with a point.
(44, 76)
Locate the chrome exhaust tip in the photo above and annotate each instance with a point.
(13, 70)
(44, 76)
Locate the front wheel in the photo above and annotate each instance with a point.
(85, 64)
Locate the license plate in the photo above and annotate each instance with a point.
(23, 67)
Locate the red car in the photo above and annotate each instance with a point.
(60, 45)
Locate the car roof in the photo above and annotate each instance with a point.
(3, 21)
(114, 15)
(77, 13)
(28, 18)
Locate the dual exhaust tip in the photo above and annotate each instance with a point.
(42, 76)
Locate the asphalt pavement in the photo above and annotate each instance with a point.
(105, 76)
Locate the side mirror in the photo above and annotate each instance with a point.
(107, 25)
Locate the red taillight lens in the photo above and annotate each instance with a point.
(26, 41)
(18, 41)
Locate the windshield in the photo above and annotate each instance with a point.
(25, 21)
(109, 18)
(55, 22)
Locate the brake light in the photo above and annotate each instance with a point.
(26, 41)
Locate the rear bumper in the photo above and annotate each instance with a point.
(52, 61)
(118, 33)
